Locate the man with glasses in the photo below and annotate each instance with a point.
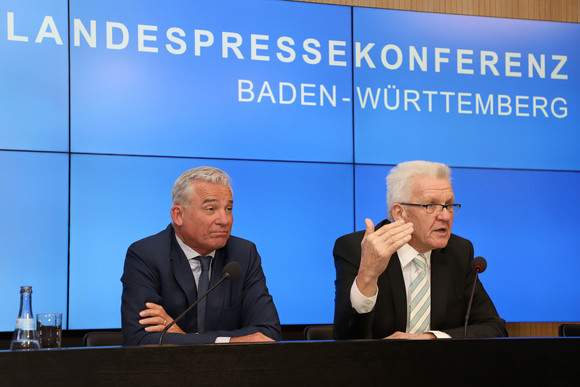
(409, 277)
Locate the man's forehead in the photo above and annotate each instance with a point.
(207, 191)
(430, 186)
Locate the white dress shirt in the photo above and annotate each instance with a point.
(195, 266)
(406, 253)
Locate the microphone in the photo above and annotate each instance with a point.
(232, 270)
(479, 264)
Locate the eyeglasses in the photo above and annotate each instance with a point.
(430, 208)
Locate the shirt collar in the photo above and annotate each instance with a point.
(406, 254)
(188, 251)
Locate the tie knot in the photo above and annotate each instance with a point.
(420, 261)
(205, 262)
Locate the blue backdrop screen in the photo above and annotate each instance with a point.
(307, 106)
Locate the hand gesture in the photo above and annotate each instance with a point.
(377, 247)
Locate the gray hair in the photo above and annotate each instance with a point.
(182, 192)
(400, 179)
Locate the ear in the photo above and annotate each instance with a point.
(177, 215)
(397, 211)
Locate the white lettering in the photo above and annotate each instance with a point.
(504, 101)
(234, 46)
(510, 62)
(90, 38)
(461, 61)
(255, 46)
(562, 60)
(488, 104)
(540, 67)
(48, 23)
(303, 93)
(332, 52)
(245, 87)
(266, 92)
(287, 49)
(540, 103)
(412, 100)
(414, 57)
(174, 39)
(489, 60)
(439, 59)
(111, 26)
(309, 45)
(368, 94)
(563, 110)
(398, 53)
(461, 103)
(520, 105)
(199, 43)
(330, 98)
(359, 55)
(10, 25)
(285, 85)
(142, 38)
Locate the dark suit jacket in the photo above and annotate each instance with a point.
(451, 283)
(156, 270)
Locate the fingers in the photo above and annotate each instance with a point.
(370, 226)
(153, 324)
(394, 235)
(397, 335)
(394, 228)
(257, 337)
(410, 336)
(387, 239)
(377, 247)
(154, 317)
(152, 305)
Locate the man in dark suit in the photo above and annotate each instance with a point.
(162, 273)
(409, 277)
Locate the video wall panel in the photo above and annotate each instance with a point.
(513, 221)
(33, 75)
(34, 229)
(270, 75)
(117, 200)
(467, 91)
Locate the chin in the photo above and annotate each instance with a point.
(440, 244)
(220, 242)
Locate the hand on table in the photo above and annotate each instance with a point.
(253, 338)
(157, 319)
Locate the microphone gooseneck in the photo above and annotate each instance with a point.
(232, 270)
(479, 264)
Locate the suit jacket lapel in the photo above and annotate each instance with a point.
(397, 283)
(394, 277)
(439, 288)
(182, 271)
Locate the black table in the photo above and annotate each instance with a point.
(489, 362)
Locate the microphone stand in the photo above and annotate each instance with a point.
(477, 268)
(225, 277)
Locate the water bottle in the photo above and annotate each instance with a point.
(25, 337)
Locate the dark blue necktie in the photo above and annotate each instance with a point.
(202, 287)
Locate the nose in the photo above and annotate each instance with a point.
(445, 214)
(223, 217)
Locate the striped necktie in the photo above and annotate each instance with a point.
(420, 310)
